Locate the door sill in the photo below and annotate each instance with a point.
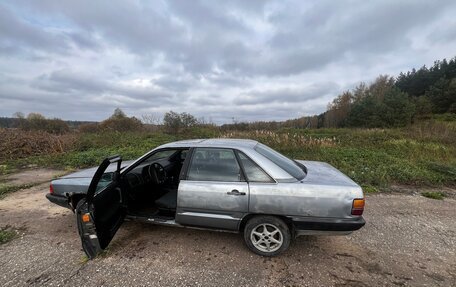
(169, 221)
(160, 220)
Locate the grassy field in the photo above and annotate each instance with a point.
(423, 154)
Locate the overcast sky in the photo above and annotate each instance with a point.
(251, 60)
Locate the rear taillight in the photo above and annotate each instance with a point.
(358, 206)
(51, 188)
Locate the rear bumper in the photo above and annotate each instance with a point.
(327, 225)
(59, 200)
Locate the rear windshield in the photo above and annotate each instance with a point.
(282, 161)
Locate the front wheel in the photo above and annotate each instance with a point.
(267, 235)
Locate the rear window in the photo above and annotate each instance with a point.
(282, 161)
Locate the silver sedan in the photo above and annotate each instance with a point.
(221, 184)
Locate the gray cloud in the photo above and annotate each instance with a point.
(64, 81)
(17, 35)
(287, 95)
(244, 59)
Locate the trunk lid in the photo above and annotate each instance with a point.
(322, 173)
(90, 172)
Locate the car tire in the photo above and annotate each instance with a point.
(267, 235)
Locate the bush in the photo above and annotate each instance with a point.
(89, 128)
(15, 144)
(121, 124)
(174, 123)
(37, 122)
(118, 122)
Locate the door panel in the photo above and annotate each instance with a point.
(108, 213)
(219, 205)
(101, 213)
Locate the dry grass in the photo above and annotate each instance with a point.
(16, 144)
(434, 130)
(283, 138)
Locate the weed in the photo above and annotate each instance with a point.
(443, 168)
(5, 188)
(7, 234)
(370, 189)
(83, 260)
(434, 195)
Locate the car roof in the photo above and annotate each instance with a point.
(214, 142)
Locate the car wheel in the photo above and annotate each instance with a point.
(267, 235)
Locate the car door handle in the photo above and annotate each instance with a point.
(235, 192)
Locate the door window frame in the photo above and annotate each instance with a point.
(190, 155)
(146, 156)
(244, 178)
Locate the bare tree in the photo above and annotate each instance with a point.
(19, 115)
(151, 119)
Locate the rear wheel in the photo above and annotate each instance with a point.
(267, 235)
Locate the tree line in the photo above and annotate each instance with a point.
(396, 102)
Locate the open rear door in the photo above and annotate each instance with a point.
(101, 213)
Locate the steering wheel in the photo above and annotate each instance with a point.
(157, 173)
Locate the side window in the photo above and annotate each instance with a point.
(252, 171)
(214, 164)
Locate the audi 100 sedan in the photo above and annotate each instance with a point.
(221, 184)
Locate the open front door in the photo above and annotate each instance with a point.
(101, 213)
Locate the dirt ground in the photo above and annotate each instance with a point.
(409, 240)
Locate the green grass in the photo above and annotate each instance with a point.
(6, 169)
(448, 117)
(370, 189)
(6, 235)
(5, 188)
(83, 260)
(381, 157)
(434, 195)
(423, 154)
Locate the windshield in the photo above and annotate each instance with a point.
(282, 161)
(159, 155)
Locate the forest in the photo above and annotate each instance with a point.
(396, 102)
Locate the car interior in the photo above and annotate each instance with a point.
(152, 185)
